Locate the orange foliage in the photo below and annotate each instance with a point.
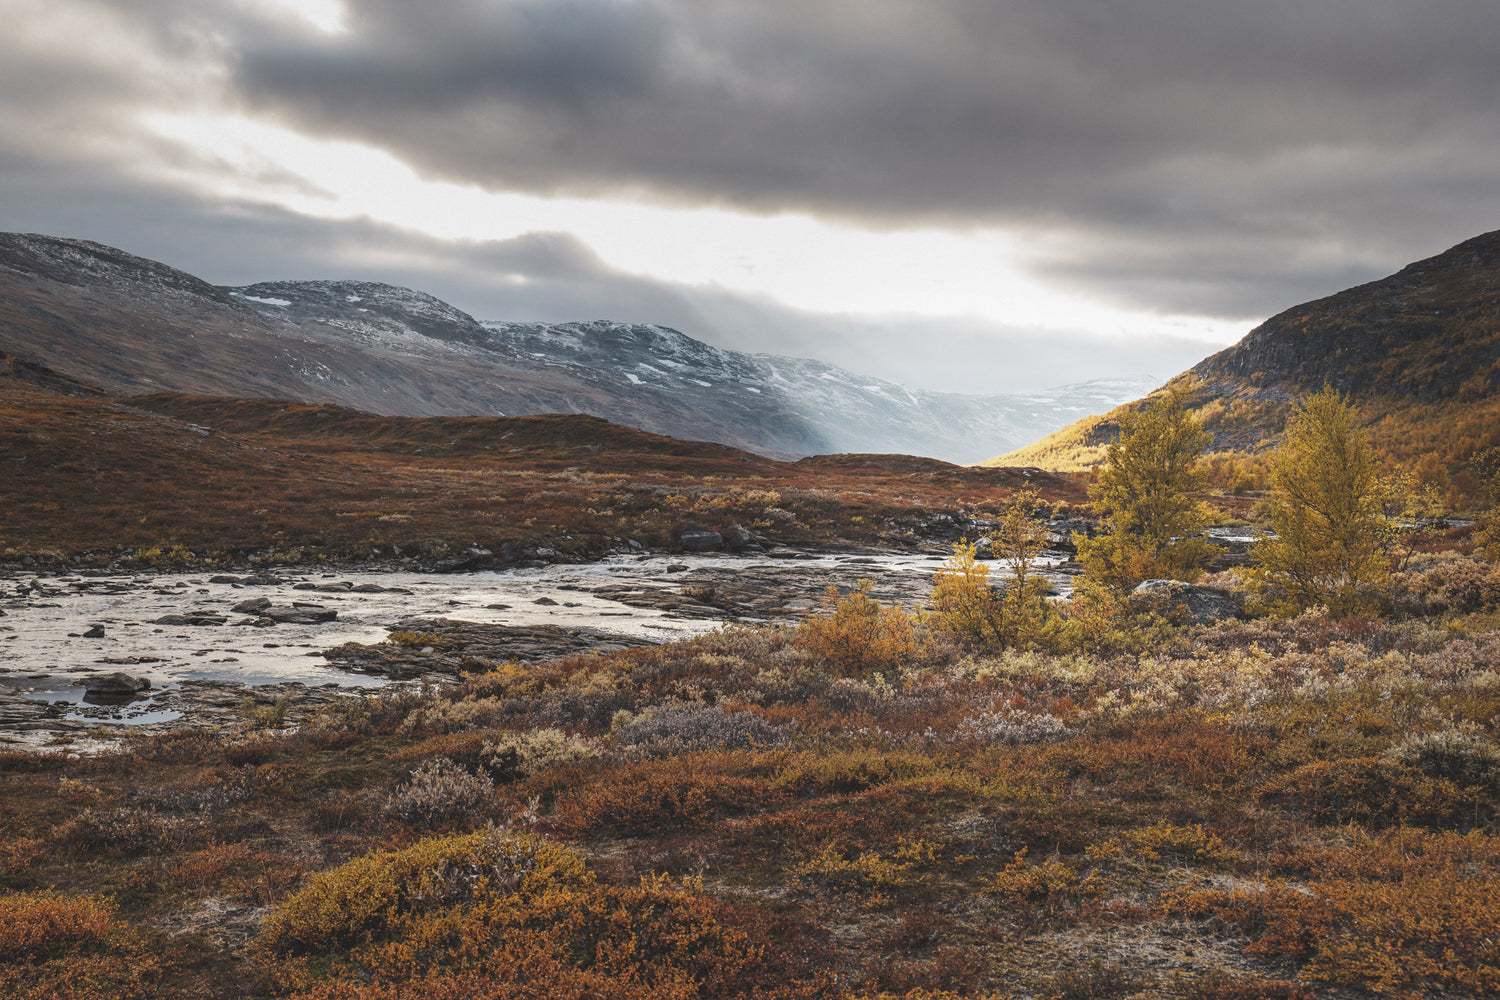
(855, 636)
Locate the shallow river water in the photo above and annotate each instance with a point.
(51, 641)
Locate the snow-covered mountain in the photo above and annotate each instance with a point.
(135, 325)
(855, 413)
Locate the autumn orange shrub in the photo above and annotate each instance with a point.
(854, 636)
(849, 770)
(660, 938)
(1376, 791)
(56, 947)
(872, 876)
(1048, 891)
(1251, 988)
(211, 864)
(673, 793)
(1404, 914)
(39, 924)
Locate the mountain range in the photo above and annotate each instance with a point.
(134, 325)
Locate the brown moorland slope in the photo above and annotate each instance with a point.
(1418, 351)
(232, 479)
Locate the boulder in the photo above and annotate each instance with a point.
(737, 539)
(700, 540)
(299, 613)
(1199, 605)
(117, 683)
(472, 559)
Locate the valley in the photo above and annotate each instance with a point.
(325, 676)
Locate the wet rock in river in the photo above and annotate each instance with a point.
(198, 618)
(298, 614)
(472, 646)
(118, 688)
(118, 682)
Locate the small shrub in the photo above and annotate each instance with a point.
(1463, 756)
(127, 830)
(1097, 981)
(1224, 988)
(1376, 791)
(511, 755)
(1010, 725)
(237, 786)
(666, 730)
(675, 793)
(438, 791)
(343, 811)
(870, 874)
(364, 898)
(1049, 890)
(855, 636)
(37, 925)
(852, 770)
(442, 715)
(1186, 844)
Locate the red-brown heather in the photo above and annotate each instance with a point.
(861, 806)
(202, 480)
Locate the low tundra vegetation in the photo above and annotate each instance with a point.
(872, 804)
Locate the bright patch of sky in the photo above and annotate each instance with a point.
(797, 260)
(328, 16)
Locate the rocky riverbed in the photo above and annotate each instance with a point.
(84, 658)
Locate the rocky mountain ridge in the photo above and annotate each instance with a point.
(134, 325)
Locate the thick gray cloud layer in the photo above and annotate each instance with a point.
(1199, 156)
(1249, 148)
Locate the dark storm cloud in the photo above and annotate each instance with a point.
(1227, 158)
(1182, 126)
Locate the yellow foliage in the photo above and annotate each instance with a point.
(364, 898)
(1017, 615)
(1144, 496)
(1325, 504)
(870, 874)
(855, 636)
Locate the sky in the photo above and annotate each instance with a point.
(974, 195)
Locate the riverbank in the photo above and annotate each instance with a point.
(212, 650)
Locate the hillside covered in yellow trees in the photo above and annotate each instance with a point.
(1418, 352)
